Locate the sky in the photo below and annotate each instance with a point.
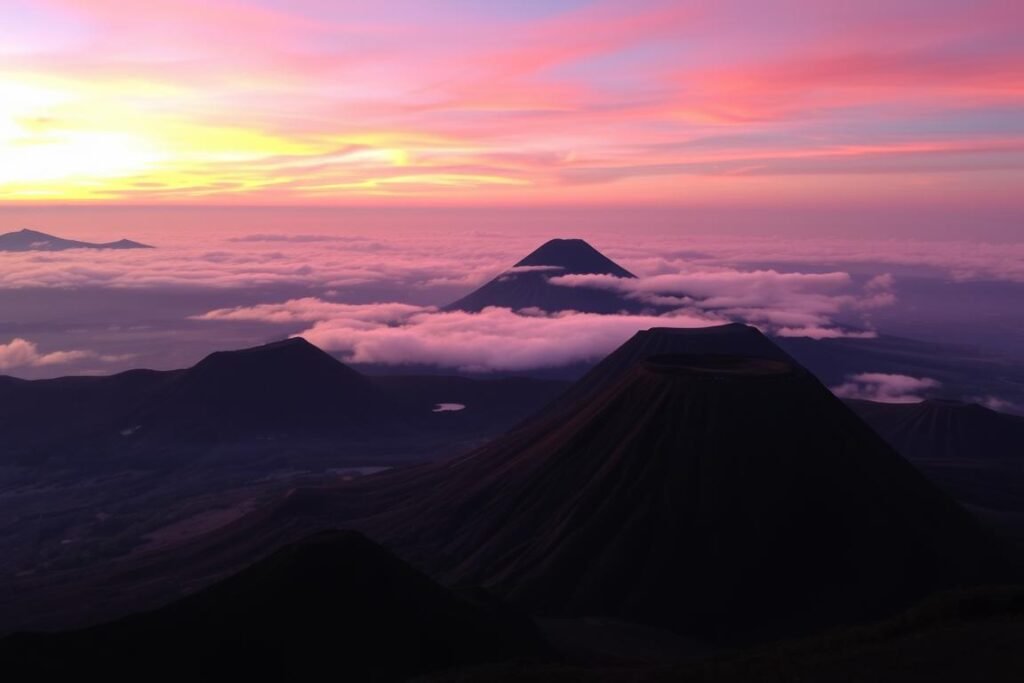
(899, 103)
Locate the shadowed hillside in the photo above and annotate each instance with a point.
(724, 496)
(334, 601)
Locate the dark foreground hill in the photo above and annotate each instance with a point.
(526, 284)
(973, 635)
(33, 240)
(334, 602)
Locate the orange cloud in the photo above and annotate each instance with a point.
(655, 101)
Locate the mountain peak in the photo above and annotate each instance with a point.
(732, 339)
(294, 354)
(575, 256)
(527, 284)
(281, 387)
(280, 344)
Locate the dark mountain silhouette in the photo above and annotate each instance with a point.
(945, 430)
(726, 496)
(526, 284)
(973, 635)
(280, 388)
(33, 240)
(285, 389)
(332, 602)
(575, 256)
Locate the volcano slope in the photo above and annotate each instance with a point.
(729, 497)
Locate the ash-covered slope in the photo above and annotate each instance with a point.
(332, 602)
(526, 285)
(33, 240)
(945, 430)
(731, 339)
(722, 495)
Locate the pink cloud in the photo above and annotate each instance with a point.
(997, 404)
(493, 339)
(886, 388)
(311, 309)
(790, 304)
(21, 353)
(445, 102)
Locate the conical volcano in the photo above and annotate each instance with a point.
(573, 256)
(527, 284)
(725, 496)
(281, 388)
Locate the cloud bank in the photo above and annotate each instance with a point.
(786, 304)
(495, 339)
(21, 353)
(886, 388)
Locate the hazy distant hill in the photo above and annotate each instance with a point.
(526, 284)
(32, 240)
(946, 430)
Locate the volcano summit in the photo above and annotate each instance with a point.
(527, 284)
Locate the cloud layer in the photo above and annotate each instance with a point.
(886, 387)
(21, 353)
(787, 304)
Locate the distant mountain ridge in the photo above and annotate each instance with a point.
(526, 284)
(288, 389)
(33, 240)
(946, 430)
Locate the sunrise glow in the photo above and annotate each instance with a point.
(467, 102)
